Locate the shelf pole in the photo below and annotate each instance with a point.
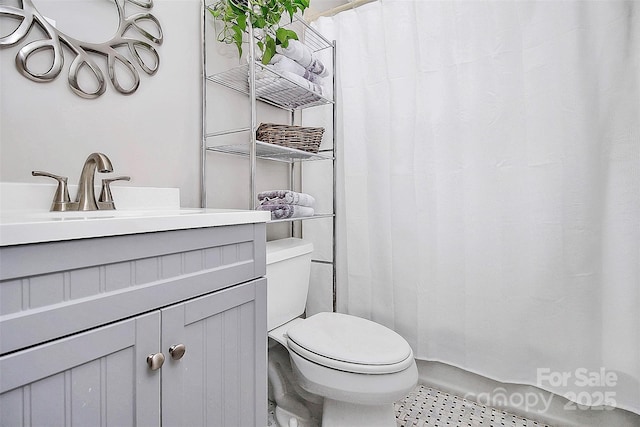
(292, 174)
(253, 106)
(203, 108)
(335, 174)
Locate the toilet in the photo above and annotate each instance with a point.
(330, 369)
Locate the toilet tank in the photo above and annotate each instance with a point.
(288, 269)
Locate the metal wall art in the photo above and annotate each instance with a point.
(130, 35)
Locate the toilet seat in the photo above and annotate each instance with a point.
(350, 344)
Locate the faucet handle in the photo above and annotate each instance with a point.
(105, 201)
(61, 200)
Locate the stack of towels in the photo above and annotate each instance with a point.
(285, 204)
(299, 64)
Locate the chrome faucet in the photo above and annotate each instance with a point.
(86, 196)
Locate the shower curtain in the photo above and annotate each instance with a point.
(490, 208)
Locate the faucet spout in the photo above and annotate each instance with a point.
(86, 197)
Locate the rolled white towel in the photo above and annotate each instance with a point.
(298, 52)
(303, 56)
(303, 82)
(281, 63)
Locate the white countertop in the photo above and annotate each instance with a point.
(28, 224)
(20, 228)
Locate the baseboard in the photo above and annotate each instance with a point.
(523, 400)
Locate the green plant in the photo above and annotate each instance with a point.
(264, 15)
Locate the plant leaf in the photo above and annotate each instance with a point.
(291, 9)
(292, 35)
(237, 9)
(237, 39)
(241, 22)
(259, 22)
(269, 50)
(283, 36)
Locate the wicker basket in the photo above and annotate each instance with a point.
(298, 137)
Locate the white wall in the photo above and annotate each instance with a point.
(152, 135)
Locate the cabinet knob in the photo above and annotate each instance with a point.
(177, 351)
(155, 361)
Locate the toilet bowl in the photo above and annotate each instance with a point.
(354, 367)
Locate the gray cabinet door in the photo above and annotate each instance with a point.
(221, 379)
(96, 378)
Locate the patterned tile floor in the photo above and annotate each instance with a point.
(429, 407)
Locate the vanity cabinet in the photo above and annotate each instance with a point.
(85, 379)
(79, 320)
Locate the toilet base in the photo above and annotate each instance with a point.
(343, 414)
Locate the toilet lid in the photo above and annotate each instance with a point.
(350, 344)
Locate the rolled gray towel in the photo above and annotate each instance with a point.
(286, 197)
(284, 211)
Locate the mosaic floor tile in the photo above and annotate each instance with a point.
(430, 407)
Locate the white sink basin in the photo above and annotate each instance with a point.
(75, 215)
(35, 227)
(36, 224)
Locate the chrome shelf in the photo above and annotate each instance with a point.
(271, 87)
(263, 84)
(302, 218)
(270, 152)
(309, 36)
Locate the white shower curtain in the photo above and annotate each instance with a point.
(491, 203)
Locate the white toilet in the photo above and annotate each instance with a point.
(346, 370)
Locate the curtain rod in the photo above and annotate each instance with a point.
(331, 12)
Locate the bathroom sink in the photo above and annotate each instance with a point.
(75, 215)
(140, 210)
(34, 227)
